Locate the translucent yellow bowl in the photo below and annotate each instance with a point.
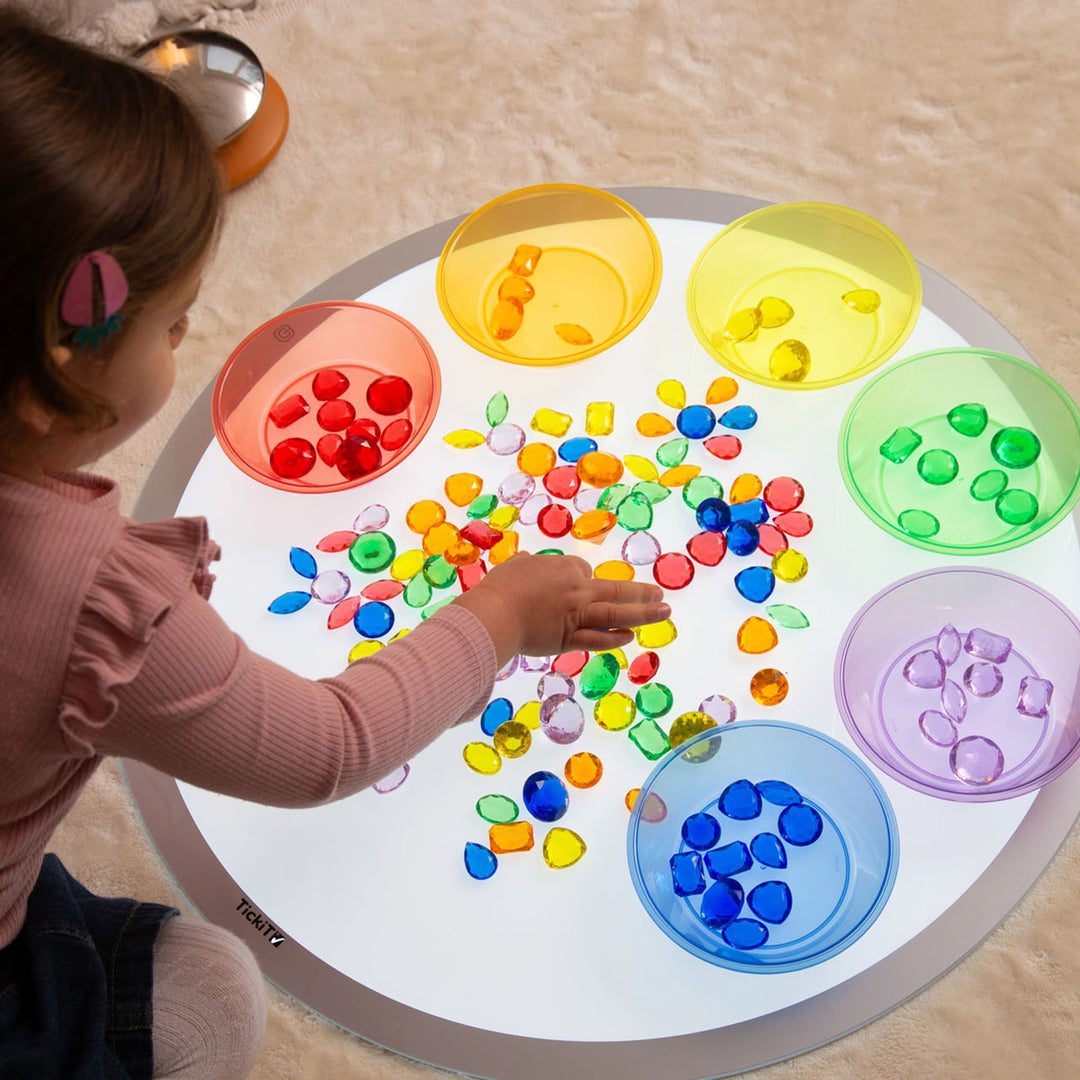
(597, 274)
(810, 256)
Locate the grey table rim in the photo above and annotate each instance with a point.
(720, 1052)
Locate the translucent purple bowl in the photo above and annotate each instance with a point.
(977, 717)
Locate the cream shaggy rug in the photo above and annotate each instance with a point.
(954, 123)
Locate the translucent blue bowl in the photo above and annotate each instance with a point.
(838, 883)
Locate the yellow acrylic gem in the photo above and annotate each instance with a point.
(503, 517)
(573, 334)
(529, 715)
(482, 758)
(790, 565)
(769, 686)
(652, 425)
(743, 325)
(516, 288)
(461, 488)
(599, 418)
(672, 392)
(524, 259)
(397, 637)
(774, 312)
(536, 458)
(744, 488)
(551, 422)
(756, 636)
(615, 711)
(593, 525)
(513, 836)
(790, 361)
(423, 514)
(679, 475)
(364, 648)
(408, 564)
(620, 656)
(439, 537)
(506, 319)
(583, 770)
(641, 467)
(463, 439)
(865, 301)
(688, 725)
(721, 389)
(614, 570)
(600, 469)
(461, 553)
(656, 635)
(562, 848)
(503, 549)
(512, 739)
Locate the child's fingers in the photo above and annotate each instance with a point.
(609, 616)
(625, 592)
(595, 640)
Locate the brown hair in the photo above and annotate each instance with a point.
(95, 154)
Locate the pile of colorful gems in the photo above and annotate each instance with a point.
(975, 759)
(705, 868)
(352, 445)
(1014, 448)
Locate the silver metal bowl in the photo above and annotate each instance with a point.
(219, 76)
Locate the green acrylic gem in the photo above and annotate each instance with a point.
(372, 552)
(988, 485)
(429, 611)
(1015, 447)
(700, 488)
(649, 738)
(418, 591)
(482, 506)
(1016, 506)
(969, 419)
(653, 491)
(919, 523)
(610, 497)
(938, 467)
(635, 512)
(551, 551)
(439, 572)
(498, 809)
(497, 408)
(654, 699)
(672, 453)
(787, 616)
(598, 676)
(900, 445)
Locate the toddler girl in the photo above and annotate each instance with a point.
(109, 205)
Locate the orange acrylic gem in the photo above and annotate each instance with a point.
(514, 836)
(593, 525)
(652, 425)
(461, 488)
(439, 537)
(460, 552)
(614, 570)
(536, 458)
(524, 259)
(631, 798)
(744, 488)
(599, 468)
(506, 319)
(756, 636)
(769, 686)
(720, 390)
(504, 549)
(573, 334)
(679, 475)
(583, 770)
(516, 288)
(423, 514)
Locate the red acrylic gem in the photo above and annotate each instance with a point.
(673, 570)
(366, 427)
(328, 448)
(341, 614)
(643, 668)
(389, 394)
(292, 458)
(471, 575)
(396, 434)
(707, 548)
(795, 523)
(771, 539)
(555, 520)
(335, 415)
(563, 482)
(783, 493)
(481, 534)
(384, 589)
(725, 447)
(329, 384)
(357, 456)
(336, 541)
(570, 663)
(288, 410)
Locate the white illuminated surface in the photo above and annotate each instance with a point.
(374, 885)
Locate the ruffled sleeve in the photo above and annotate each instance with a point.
(143, 576)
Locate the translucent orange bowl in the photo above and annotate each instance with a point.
(549, 275)
(267, 394)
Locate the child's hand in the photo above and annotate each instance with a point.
(546, 604)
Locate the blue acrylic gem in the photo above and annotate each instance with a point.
(740, 800)
(572, 449)
(687, 877)
(700, 831)
(287, 603)
(727, 860)
(771, 901)
(373, 619)
(721, 902)
(496, 712)
(545, 796)
(800, 824)
(480, 862)
(755, 583)
(303, 562)
(739, 418)
(778, 793)
(714, 515)
(745, 934)
(742, 538)
(768, 850)
(753, 510)
(696, 421)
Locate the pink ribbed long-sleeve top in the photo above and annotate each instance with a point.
(110, 647)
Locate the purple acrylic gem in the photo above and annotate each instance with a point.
(530, 509)
(937, 727)
(948, 644)
(641, 548)
(587, 498)
(554, 683)
(505, 439)
(517, 488)
(508, 669)
(976, 760)
(561, 719)
(925, 669)
(331, 586)
(391, 782)
(953, 701)
(987, 646)
(983, 679)
(535, 663)
(371, 519)
(720, 708)
(1034, 698)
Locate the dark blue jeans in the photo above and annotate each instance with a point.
(76, 985)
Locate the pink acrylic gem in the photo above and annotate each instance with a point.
(327, 447)
(771, 539)
(640, 548)
(720, 708)
(570, 663)
(1034, 697)
(707, 548)
(977, 760)
(335, 415)
(396, 434)
(343, 612)
(553, 683)
(561, 719)
(517, 488)
(555, 520)
(794, 523)
(643, 668)
(329, 384)
(673, 570)
(289, 410)
(372, 518)
(292, 458)
(330, 586)
(654, 809)
(505, 439)
(937, 728)
(357, 456)
(336, 541)
(384, 589)
(389, 394)
(783, 493)
(725, 447)
(530, 509)
(562, 481)
(925, 669)
(391, 782)
(471, 574)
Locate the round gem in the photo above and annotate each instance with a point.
(983, 679)
(599, 468)
(536, 458)
(389, 394)
(366, 427)
(554, 520)
(938, 467)
(517, 488)
(545, 795)
(673, 570)
(743, 538)
(614, 711)
(800, 824)
(330, 586)
(505, 439)
(700, 488)
(561, 719)
(335, 415)
(1016, 506)
(1015, 447)
(614, 570)
(769, 686)
(790, 565)
(701, 831)
(714, 515)
(357, 456)
(977, 760)
(562, 848)
(554, 682)
(696, 421)
(512, 739)
(371, 552)
(720, 708)
(784, 493)
(654, 700)
(374, 619)
(292, 458)
(686, 726)
(583, 770)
